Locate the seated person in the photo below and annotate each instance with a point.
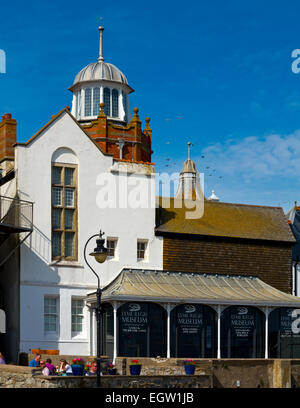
(45, 369)
(93, 369)
(50, 366)
(65, 367)
(35, 362)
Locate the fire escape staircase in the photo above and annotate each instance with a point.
(16, 216)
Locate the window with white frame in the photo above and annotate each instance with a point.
(142, 246)
(111, 245)
(50, 314)
(77, 315)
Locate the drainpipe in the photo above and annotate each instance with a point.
(295, 277)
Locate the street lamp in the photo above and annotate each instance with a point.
(100, 254)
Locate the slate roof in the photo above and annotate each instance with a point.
(226, 220)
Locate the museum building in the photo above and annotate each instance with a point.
(216, 285)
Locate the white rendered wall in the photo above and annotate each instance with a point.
(39, 276)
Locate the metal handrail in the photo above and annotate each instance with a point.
(16, 213)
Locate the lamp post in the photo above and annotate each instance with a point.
(100, 254)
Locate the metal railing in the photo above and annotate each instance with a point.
(15, 213)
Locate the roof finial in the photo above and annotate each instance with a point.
(101, 29)
(189, 150)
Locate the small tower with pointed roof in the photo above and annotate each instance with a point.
(213, 196)
(189, 181)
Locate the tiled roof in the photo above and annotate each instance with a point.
(227, 220)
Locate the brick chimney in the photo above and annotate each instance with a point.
(8, 137)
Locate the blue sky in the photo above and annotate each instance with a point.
(215, 73)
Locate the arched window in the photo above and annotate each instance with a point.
(142, 330)
(96, 101)
(242, 332)
(115, 103)
(284, 335)
(88, 102)
(193, 331)
(106, 100)
(64, 205)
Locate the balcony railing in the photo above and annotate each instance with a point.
(15, 215)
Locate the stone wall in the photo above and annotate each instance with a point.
(26, 377)
(225, 373)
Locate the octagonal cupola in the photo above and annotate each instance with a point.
(100, 82)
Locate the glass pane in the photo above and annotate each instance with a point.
(69, 197)
(125, 105)
(56, 244)
(111, 245)
(242, 332)
(69, 176)
(50, 323)
(56, 175)
(142, 330)
(192, 329)
(57, 196)
(69, 219)
(141, 247)
(106, 97)
(115, 103)
(77, 314)
(56, 218)
(96, 101)
(88, 102)
(69, 241)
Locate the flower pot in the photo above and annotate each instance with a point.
(135, 369)
(112, 371)
(77, 369)
(189, 369)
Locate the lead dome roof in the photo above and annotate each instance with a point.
(100, 71)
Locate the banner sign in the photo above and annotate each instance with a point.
(189, 319)
(242, 320)
(289, 325)
(134, 318)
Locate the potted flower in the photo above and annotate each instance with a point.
(189, 366)
(111, 369)
(77, 366)
(135, 367)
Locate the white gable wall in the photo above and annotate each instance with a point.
(64, 141)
